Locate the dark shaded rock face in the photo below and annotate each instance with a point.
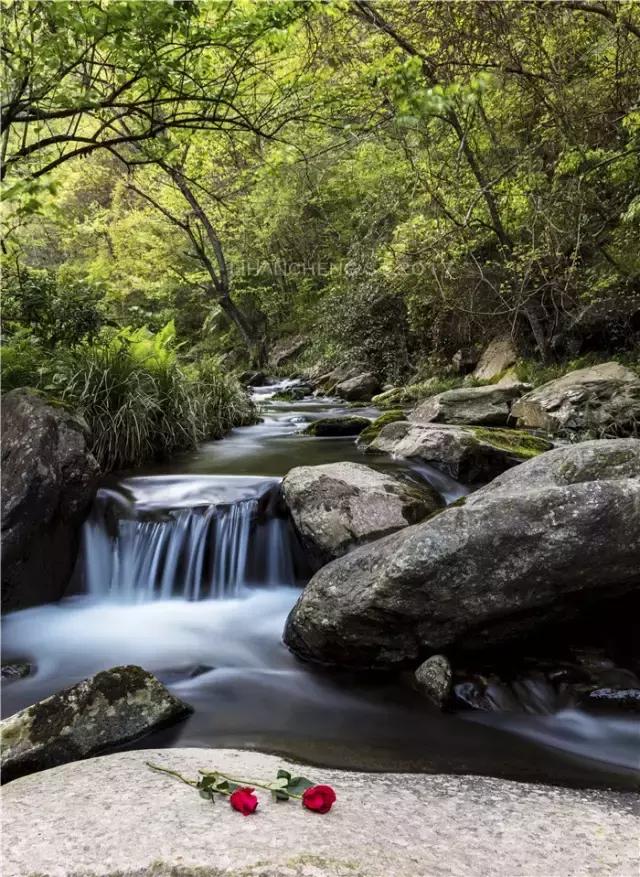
(340, 505)
(48, 481)
(110, 708)
(337, 426)
(359, 388)
(542, 542)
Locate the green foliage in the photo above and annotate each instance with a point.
(33, 299)
(394, 187)
(138, 401)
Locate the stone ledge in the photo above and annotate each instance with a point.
(113, 816)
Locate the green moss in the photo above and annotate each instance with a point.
(372, 431)
(516, 441)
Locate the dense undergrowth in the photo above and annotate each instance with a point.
(140, 402)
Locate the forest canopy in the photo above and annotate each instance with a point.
(387, 181)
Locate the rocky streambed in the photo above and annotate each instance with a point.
(470, 592)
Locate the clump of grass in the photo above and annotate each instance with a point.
(138, 401)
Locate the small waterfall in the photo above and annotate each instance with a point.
(133, 550)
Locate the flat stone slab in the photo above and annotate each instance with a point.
(114, 816)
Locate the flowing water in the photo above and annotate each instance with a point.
(190, 570)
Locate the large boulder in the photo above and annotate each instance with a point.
(48, 481)
(114, 816)
(469, 454)
(110, 708)
(497, 357)
(287, 350)
(601, 401)
(484, 406)
(338, 506)
(542, 542)
(359, 388)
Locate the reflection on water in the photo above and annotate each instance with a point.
(191, 574)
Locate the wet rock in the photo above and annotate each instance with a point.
(468, 454)
(110, 708)
(541, 543)
(488, 406)
(337, 426)
(613, 699)
(48, 481)
(359, 388)
(473, 695)
(12, 672)
(254, 379)
(433, 678)
(372, 430)
(498, 356)
(293, 394)
(338, 506)
(602, 401)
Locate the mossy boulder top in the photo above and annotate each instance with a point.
(470, 454)
(112, 707)
(536, 546)
(338, 506)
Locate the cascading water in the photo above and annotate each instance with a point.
(136, 550)
(191, 575)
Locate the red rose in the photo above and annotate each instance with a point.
(319, 798)
(244, 801)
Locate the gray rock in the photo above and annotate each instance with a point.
(114, 816)
(602, 401)
(285, 352)
(338, 506)
(48, 481)
(497, 357)
(482, 406)
(110, 708)
(538, 544)
(433, 678)
(469, 454)
(359, 388)
(337, 426)
(14, 671)
(254, 379)
(613, 699)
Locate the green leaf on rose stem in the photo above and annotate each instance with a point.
(283, 773)
(205, 793)
(298, 785)
(280, 783)
(279, 795)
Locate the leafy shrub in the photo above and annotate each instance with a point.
(34, 300)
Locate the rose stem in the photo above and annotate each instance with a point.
(247, 782)
(173, 773)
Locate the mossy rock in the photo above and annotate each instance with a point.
(294, 394)
(518, 442)
(338, 426)
(373, 429)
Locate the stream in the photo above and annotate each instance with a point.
(190, 569)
